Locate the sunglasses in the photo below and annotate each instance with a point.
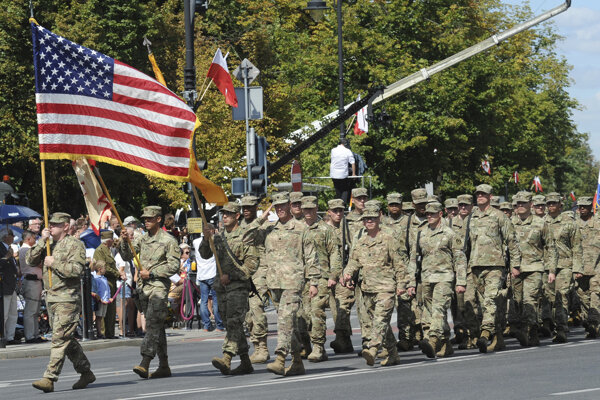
(186, 252)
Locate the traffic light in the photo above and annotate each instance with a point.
(259, 171)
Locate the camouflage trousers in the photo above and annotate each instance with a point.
(515, 301)
(344, 300)
(64, 318)
(364, 320)
(589, 295)
(154, 303)
(256, 319)
(379, 308)
(547, 299)
(304, 319)
(559, 296)
(409, 315)
(529, 296)
(288, 303)
(465, 309)
(314, 315)
(488, 281)
(233, 307)
(437, 297)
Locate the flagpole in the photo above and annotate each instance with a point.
(209, 82)
(114, 209)
(205, 223)
(45, 201)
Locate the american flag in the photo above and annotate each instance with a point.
(90, 105)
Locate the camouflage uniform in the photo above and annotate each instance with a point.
(589, 283)
(159, 254)
(103, 253)
(382, 270)
(489, 232)
(63, 298)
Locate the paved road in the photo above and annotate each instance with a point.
(566, 371)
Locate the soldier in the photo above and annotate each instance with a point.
(534, 240)
(489, 232)
(495, 202)
(296, 205)
(159, 260)
(539, 205)
(103, 253)
(376, 256)
(344, 295)
(409, 307)
(451, 207)
(290, 256)
(408, 208)
(63, 299)
(330, 262)
(239, 260)
(256, 319)
(354, 217)
(394, 204)
(589, 282)
(439, 251)
(567, 240)
(506, 208)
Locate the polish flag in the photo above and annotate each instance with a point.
(361, 125)
(485, 165)
(516, 177)
(537, 184)
(572, 194)
(219, 73)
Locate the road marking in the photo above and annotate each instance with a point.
(575, 392)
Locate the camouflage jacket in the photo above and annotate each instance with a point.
(379, 263)
(354, 220)
(242, 246)
(407, 234)
(590, 242)
(567, 239)
(386, 220)
(535, 240)
(290, 256)
(442, 255)
(69, 262)
(158, 254)
(490, 231)
(257, 229)
(328, 249)
(103, 253)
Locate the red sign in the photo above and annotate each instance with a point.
(296, 177)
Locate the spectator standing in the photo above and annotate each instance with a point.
(205, 279)
(8, 267)
(127, 271)
(101, 296)
(103, 253)
(35, 226)
(341, 156)
(32, 290)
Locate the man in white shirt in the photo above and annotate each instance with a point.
(205, 279)
(32, 290)
(341, 156)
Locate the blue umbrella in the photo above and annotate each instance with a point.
(9, 214)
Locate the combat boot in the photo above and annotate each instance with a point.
(392, 357)
(369, 355)
(482, 342)
(85, 379)
(428, 346)
(561, 336)
(459, 334)
(497, 343)
(384, 353)
(404, 345)
(545, 330)
(534, 339)
(142, 369)
(245, 366)
(296, 367)
(261, 352)
(466, 340)
(44, 384)
(592, 331)
(223, 364)
(446, 348)
(306, 349)
(342, 344)
(522, 335)
(278, 366)
(318, 354)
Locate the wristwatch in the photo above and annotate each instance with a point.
(151, 276)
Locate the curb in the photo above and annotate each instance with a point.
(87, 346)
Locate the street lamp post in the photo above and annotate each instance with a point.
(317, 9)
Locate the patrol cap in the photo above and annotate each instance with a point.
(407, 206)
(553, 197)
(505, 205)
(394, 198)
(465, 199)
(152, 211)
(432, 198)
(433, 207)
(484, 188)
(59, 218)
(419, 196)
(370, 212)
(451, 203)
(249, 201)
(281, 198)
(358, 192)
(495, 201)
(539, 200)
(296, 197)
(523, 197)
(6, 231)
(231, 207)
(309, 202)
(585, 201)
(335, 203)
(373, 204)
(130, 220)
(107, 234)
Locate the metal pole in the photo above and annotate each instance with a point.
(84, 318)
(340, 67)
(123, 309)
(249, 156)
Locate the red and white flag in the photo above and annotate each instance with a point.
(485, 165)
(361, 125)
(219, 73)
(537, 184)
(516, 176)
(572, 194)
(96, 201)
